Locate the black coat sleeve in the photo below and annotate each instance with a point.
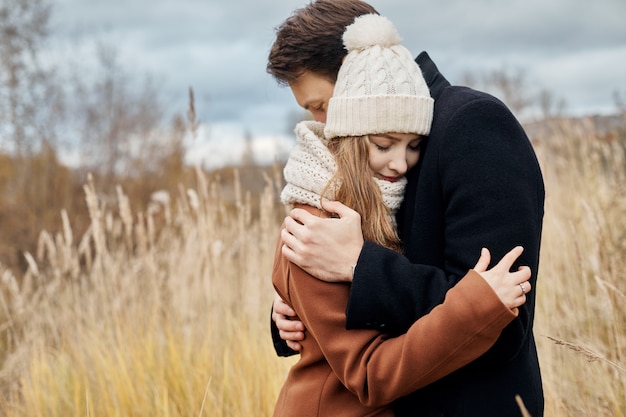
(389, 293)
(491, 192)
(495, 198)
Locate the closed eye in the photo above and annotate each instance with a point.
(416, 148)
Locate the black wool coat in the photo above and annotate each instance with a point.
(478, 184)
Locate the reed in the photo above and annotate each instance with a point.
(164, 311)
(580, 319)
(131, 320)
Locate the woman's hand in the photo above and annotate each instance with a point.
(511, 287)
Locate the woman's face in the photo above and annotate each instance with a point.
(391, 155)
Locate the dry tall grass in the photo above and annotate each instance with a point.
(581, 320)
(137, 319)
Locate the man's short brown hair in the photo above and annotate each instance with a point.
(311, 39)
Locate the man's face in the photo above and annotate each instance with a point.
(312, 92)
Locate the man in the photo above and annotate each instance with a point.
(478, 183)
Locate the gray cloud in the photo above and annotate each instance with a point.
(575, 48)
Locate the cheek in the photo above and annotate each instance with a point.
(375, 161)
(412, 159)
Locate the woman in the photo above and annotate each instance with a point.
(377, 117)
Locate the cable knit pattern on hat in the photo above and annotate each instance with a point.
(311, 165)
(379, 87)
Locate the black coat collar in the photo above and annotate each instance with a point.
(434, 79)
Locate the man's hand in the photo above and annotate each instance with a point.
(326, 248)
(290, 329)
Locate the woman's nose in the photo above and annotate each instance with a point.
(399, 164)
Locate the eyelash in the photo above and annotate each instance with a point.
(415, 148)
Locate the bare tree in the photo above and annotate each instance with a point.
(119, 116)
(247, 156)
(512, 87)
(549, 105)
(501, 83)
(620, 103)
(25, 86)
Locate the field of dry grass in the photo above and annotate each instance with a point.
(163, 310)
(580, 321)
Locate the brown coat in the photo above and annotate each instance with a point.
(359, 372)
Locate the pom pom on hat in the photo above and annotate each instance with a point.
(379, 87)
(370, 30)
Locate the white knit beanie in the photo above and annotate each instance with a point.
(379, 88)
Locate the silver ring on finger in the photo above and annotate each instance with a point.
(523, 287)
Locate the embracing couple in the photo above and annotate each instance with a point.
(384, 286)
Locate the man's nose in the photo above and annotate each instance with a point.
(319, 116)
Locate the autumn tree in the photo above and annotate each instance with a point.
(514, 89)
(28, 95)
(111, 120)
(117, 115)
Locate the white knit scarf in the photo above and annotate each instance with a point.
(311, 165)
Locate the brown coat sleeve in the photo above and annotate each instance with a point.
(379, 369)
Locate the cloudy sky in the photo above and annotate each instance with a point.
(575, 49)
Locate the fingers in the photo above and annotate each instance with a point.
(283, 315)
(294, 345)
(297, 229)
(292, 338)
(301, 216)
(280, 308)
(511, 287)
(291, 331)
(293, 226)
(522, 278)
(338, 208)
(483, 261)
(521, 291)
(525, 287)
(289, 247)
(509, 259)
(522, 274)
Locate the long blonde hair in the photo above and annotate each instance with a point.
(354, 186)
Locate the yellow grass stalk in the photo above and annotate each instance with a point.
(131, 319)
